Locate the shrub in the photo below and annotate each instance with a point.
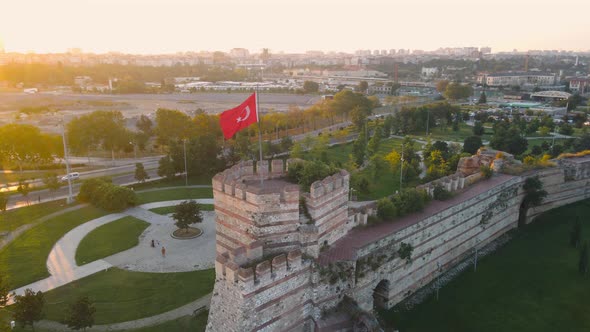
(305, 173)
(486, 171)
(440, 193)
(386, 209)
(106, 195)
(90, 189)
(405, 251)
(408, 201)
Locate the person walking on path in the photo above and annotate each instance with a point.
(163, 251)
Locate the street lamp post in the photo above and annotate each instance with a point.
(401, 171)
(63, 135)
(185, 168)
(134, 150)
(427, 121)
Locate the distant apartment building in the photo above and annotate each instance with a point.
(429, 72)
(580, 85)
(485, 50)
(518, 79)
(239, 53)
(380, 89)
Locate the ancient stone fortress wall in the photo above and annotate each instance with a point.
(263, 230)
(260, 289)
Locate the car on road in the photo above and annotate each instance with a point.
(72, 176)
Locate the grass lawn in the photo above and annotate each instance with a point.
(120, 295)
(531, 284)
(23, 261)
(110, 239)
(187, 323)
(170, 209)
(12, 219)
(177, 181)
(174, 194)
(447, 134)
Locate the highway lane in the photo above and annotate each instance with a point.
(44, 195)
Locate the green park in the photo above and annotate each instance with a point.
(111, 252)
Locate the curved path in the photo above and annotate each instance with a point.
(180, 256)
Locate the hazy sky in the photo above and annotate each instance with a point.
(164, 26)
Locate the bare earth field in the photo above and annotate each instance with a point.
(142, 103)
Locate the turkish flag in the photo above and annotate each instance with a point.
(238, 118)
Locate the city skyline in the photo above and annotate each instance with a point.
(154, 27)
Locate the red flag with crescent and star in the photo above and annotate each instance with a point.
(238, 118)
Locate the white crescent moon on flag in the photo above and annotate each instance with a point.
(240, 119)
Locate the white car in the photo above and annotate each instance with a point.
(72, 176)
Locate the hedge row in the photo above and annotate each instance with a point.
(102, 193)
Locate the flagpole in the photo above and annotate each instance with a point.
(259, 139)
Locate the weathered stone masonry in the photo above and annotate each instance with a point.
(276, 270)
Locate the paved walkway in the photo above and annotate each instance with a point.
(185, 310)
(180, 255)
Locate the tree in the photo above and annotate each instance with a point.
(22, 144)
(544, 131)
(359, 149)
(23, 188)
(28, 308)
(166, 168)
(455, 91)
(533, 196)
(173, 126)
(187, 213)
(286, 143)
(81, 315)
(363, 86)
(471, 144)
(358, 116)
(319, 148)
(478, 129)
(582, 143)
(482, 98)
(51, 181)
(566, 129)
(441, 86)
(534, 193)
(3, 292)
(296, 150)
(583, 261)
(508, 138)
(3, 201)
(374, 142)
(105, 129)
(310, 87)
(140, 174)
(145, 125)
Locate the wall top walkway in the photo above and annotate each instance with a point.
(345, 248)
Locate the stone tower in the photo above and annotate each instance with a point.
(263, 283)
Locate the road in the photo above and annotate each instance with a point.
(17, 200)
